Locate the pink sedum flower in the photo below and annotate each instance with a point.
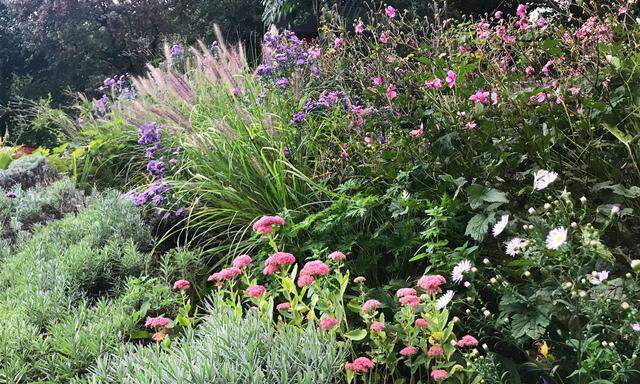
(377, 326)
(494, 98)
(156, 322)
(283, 306)
(406, 292)
(256, 291)
(439, 374)
(408, 351)
(225, 274)
(370, 305)
(266, 223)
(431, 283)
(467, 341)
(305, 280)
(361, 365)
(241, 261)
(410, 300)
(277, 261)
(337, 43)
(547, 67)
(359, 27)
(181, 285)
(328, 323)
(421, 323)
(498, 15)
(383, 38)
(336, 256)
(435, 351)
(377, 80)
(315, 268)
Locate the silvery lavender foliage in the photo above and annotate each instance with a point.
(229, 348)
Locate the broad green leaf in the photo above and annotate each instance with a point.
(356, 334)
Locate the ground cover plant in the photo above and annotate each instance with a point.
(51, 282)
(446, 200)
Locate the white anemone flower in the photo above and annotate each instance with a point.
(500, 225)
(444, 300)
(543, 178)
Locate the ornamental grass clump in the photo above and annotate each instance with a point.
(215, 146)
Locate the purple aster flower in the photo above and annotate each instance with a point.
(149, 134)
(177, 52)
(157, 199)
(156, 167)
(101, 104)
(298, 117)
(180, 212)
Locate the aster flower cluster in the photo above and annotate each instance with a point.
(286, 54)
(150, 135)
